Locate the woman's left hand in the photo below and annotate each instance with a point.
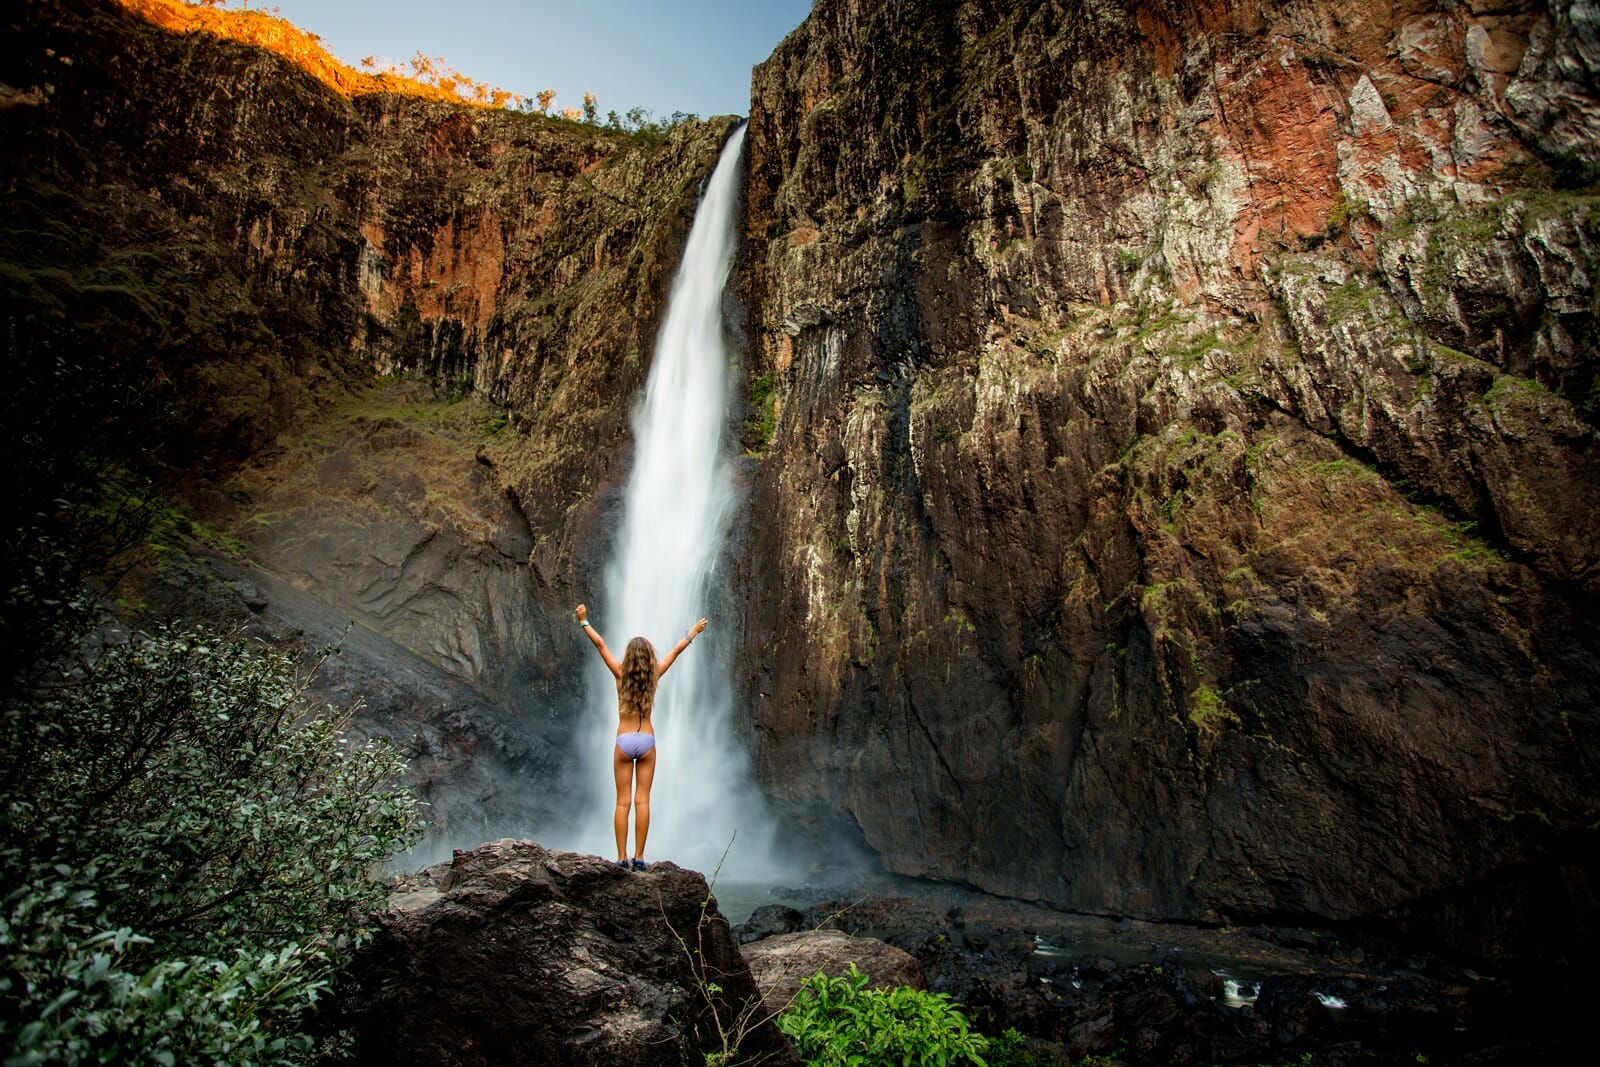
(697, 629)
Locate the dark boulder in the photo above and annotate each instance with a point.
(513, 954)
(770, 920)
(1293, 1010)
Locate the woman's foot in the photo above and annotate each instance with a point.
(639, 864)
(620, 863)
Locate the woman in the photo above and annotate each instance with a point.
(633, 758)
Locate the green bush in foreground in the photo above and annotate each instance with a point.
(185, 853)
(839, 1022)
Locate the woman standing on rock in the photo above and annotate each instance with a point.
(633, 758)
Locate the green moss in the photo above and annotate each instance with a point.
(959, 622)
(762, 422)
(168, 527)
(1569, 170)
(1197, 348)
(1467, 547)
(1349, 300)
(1208, 710)
(1343, 212)
(910, 189)
(1510, 386)
(1148, 325)
(1349, 469)
(1016, 246)
(1163, 603)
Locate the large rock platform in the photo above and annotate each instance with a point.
(514, 954)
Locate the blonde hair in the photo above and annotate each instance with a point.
(636, 688)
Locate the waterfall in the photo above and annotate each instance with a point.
(662, 577)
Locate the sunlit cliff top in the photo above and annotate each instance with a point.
(433, 79)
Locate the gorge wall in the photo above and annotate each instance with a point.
(1177, 450)
(1171, 427)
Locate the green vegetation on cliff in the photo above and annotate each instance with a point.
(762, 421)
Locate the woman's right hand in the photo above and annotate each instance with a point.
(582, 612)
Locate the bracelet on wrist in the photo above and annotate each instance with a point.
(583, 623)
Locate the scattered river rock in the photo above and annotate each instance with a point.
(1152, 993)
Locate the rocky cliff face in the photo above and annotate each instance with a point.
(1172, 426)
(246, 249)
(1177, 447)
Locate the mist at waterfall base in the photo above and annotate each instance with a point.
(707, 812)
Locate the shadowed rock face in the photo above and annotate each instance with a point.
(1177, 500)
(479, 766)
(513, 954)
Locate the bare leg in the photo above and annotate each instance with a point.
(623, 767)
(646, 768)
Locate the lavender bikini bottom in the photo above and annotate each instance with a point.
(635, 745)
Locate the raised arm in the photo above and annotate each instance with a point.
(683, 642)
(600, 643)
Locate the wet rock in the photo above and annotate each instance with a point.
(512, 953)
(251, 595)
(769, 920)
(1095, 968)
(1297, 1017)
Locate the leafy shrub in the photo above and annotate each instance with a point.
(186, 850)
(839, 1022)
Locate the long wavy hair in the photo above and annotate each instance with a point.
(636, 689)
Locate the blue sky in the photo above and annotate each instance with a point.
(687, 55)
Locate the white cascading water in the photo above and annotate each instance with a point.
(676, 512)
